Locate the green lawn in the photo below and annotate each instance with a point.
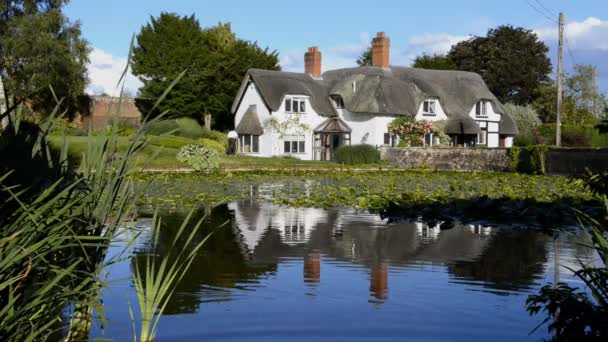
(161, 158)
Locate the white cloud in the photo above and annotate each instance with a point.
(589, 34)
(105, 71)
(586, 43)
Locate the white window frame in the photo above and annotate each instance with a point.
(251, 144)
(482, 138)
(429, 104)
(300, 105)
(391, 139)
(300, 145)
(481, 108)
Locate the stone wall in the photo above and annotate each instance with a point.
(558, 161)
(465, 159)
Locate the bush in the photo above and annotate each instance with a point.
(526, 118)
(162, 127)
(573, 136)
(186, 128)
(169, 141)
(212, 144)
(199, 157)
(357, 154)
(189, 128)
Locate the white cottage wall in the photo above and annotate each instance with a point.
(439, 113)
(492, 118)
(252, 96)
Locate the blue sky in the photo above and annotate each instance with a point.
(342, 29)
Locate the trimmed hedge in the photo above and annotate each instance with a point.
(169, 141)
(357, 154)
(212, 144)
(186, 128)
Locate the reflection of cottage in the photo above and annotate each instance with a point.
(100, 109)
(308, 115)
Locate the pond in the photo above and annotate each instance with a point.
(277, 273)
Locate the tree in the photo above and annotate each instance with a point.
(580, 87)
(41, 49)
(366, 58)
(578, 99)
(215, 59)
(525, 117)
(512, 61)
(435, 62)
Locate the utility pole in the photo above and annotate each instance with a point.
(560, 80)
(596, 94)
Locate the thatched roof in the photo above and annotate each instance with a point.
(392, 91)
(462, 125)
(250, 123)
(333, 125)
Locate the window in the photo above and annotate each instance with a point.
(481, 108)
(338, 101)
(482, 137)
(249, 143)
(389, 139)
(295, 105)
(288, 105)
(428, 107)
(428, 139)
(294, 144)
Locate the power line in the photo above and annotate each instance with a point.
(569, 49)
(550, 12)
(544, 14)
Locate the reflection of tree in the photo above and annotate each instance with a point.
(511, 261)
(220, 262)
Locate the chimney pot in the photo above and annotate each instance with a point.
(312, 61)
(381, 46)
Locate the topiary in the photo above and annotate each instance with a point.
(212, 144)
(199, 157)
(357, 154)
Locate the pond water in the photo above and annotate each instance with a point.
(302, 274)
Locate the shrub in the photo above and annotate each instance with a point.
(186, 128)
(357, 154)
(199, 157)
(526, 118)
(189, 128)
(169, 141)
(212, 144)
(162, 127)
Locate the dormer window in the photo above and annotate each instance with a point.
(295, 105)
(338, 101)
(481, 108)
(429, 107)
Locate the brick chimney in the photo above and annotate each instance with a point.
(381, 46)
(312, 62)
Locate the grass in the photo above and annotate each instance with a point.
(163, 158)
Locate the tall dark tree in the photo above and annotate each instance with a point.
(512, 61)
(40, 48)
(366, 58)
(215, 59)
(435, 62)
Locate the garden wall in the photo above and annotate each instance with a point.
(466, 159)
(572, 161)
(558, 161)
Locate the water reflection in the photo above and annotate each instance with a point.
(259, 237)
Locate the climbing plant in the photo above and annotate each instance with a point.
(410, 131)
(293, 125)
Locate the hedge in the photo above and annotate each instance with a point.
(357, 154)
